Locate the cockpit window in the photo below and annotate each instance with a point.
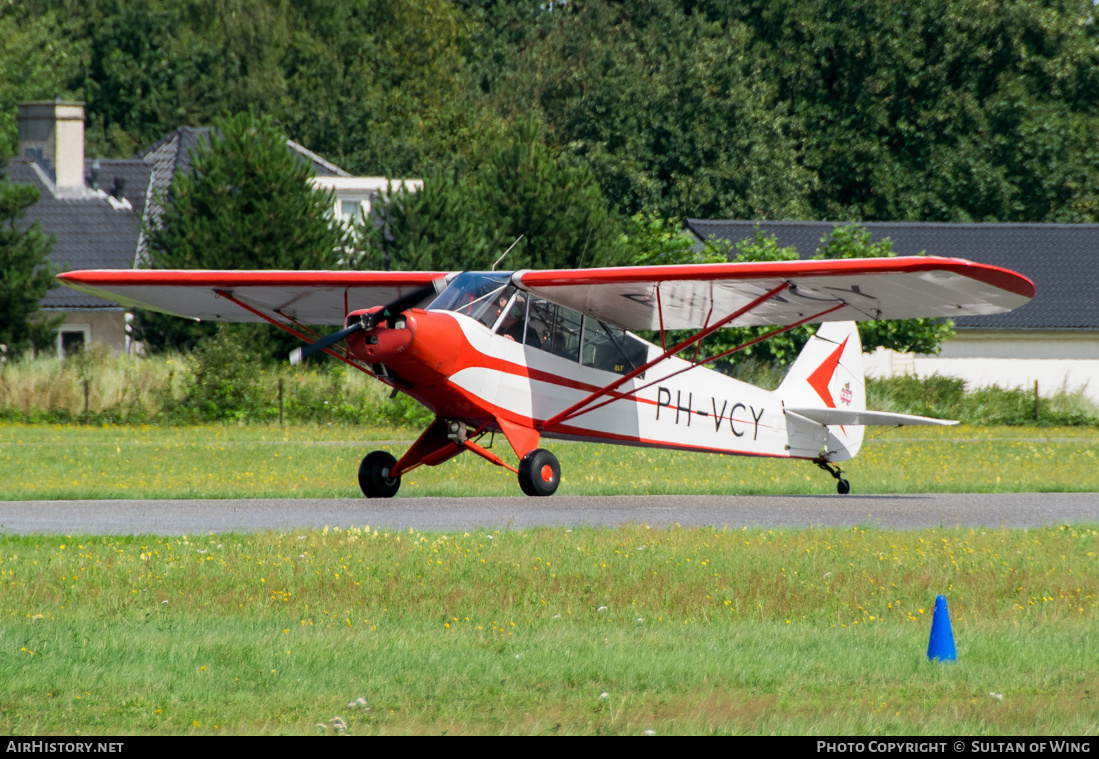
(610, 348)
(491, 299)
(554, 328)
(481, 295)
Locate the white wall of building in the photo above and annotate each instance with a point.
(107, 326)
(1058, 360)
(355, 195)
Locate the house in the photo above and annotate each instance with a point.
(93, 209)
(96, 208)
(1053, 340)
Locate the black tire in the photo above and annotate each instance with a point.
(843, 487)
(539, 473)
(374, 476)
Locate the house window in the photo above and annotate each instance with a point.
(72, 338)
(351, 209)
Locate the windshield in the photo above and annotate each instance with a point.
(480, 295)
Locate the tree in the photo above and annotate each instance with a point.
(25, 272)
(526, 189)
(667, 107)
(380, 86)
(245, 204)
(38, 61)
(552, 200)
(653, 241)
(440, 227)
(944, 110)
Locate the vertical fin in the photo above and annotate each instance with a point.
(828, 374)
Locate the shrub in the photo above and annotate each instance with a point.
(223, 384)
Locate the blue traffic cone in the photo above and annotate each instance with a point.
(941, 644)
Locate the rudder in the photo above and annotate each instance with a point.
(828, 373)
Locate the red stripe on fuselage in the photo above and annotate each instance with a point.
(441, 349)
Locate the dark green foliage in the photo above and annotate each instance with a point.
(670, 109)
(440, 227)
(466, 222)
(903, 335)
(946, 110)
(652, 241)
(39, 59)
(550, 199)
(224, 384)
(25, 272)
(380, 87)
(246, 204)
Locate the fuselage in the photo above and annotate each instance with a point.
(462, 370)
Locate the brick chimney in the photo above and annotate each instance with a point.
(52, 133)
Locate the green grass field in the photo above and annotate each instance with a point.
(685, 631)
(226, 461)
(542, 631)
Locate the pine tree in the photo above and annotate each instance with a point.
(25, 272)
(552, 200)
(440, 227)
(245, 204)
(525, 189)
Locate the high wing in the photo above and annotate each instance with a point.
(694, 296)
(305, 297)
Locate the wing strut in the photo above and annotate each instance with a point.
(576, 408)
(711, 359)
(286, 328)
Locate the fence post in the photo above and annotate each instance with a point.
(280, 401)
(87, 390)
(1035, 400)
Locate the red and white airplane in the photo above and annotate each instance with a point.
(533, 354)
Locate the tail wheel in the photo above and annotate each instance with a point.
(374, 476)
(539, 473)
(843, 487)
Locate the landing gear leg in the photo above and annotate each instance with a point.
(843, 487)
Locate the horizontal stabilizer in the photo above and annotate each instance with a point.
(869, 418)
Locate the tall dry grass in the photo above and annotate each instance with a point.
(97, 388)
(89, 383)
(94, 387)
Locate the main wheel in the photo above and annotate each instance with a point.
(843, 487)
(539, 473)
(374, 476)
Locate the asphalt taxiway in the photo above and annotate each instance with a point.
(917, 511)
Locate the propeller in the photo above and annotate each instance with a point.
(367, 322)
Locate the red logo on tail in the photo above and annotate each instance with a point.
(822, 376)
